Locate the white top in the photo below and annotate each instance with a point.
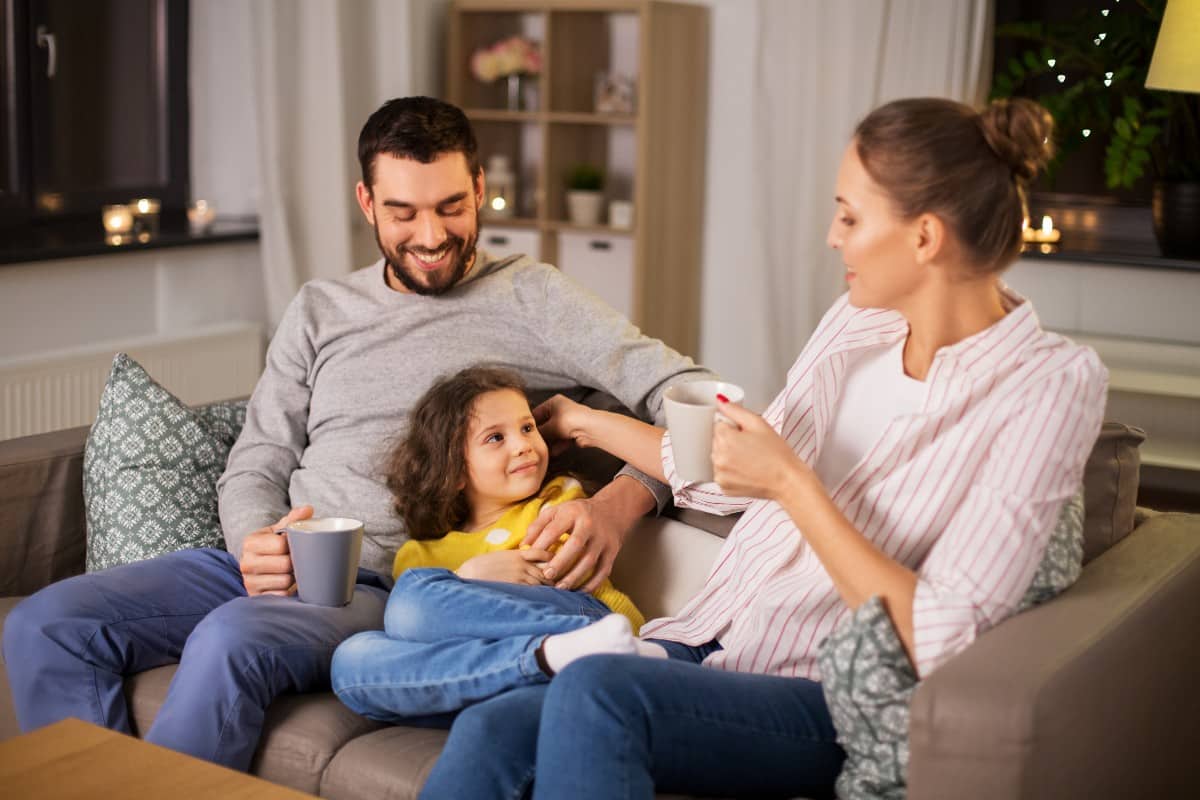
(965, 492)
(876, 391)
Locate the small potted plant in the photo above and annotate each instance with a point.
(585, 194)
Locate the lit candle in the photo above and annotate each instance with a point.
(1044, 234)
(1048, 233)
(145, 217)
(117, 219)
(146, 206)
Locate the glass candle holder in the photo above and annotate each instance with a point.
(118, 223)
(145, 217)
(201, 214)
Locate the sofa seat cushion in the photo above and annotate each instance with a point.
(303, 732)
(389, 764)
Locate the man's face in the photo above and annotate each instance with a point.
(426, 220)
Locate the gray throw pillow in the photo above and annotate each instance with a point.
(150, 469)
(868, 681)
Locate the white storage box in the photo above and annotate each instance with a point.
(500, 241)
(601, 262)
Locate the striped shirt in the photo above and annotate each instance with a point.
(965, 492)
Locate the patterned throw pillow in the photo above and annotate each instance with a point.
(868, 681)
(150, 469)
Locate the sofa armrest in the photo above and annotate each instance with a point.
(42, 529)
(1090, 695)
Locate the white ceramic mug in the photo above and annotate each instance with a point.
(325, 556)
(691, 411)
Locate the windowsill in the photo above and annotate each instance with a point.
(75, 239)
(1111, 252)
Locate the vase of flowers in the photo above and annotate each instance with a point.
(517, 60)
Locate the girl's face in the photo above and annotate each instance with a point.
(878, 247)
(506, 456)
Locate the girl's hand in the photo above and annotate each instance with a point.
(751, 460)
(507, 566)
(561, 420)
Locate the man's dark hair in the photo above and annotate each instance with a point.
(420, 128)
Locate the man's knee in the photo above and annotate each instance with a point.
(232, 633)
(56, 617)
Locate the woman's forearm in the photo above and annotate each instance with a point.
(629, 439)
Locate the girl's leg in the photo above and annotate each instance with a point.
(391, 680)
(432, 605)
(681, 727)
(450, 643)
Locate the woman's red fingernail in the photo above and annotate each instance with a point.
(722, 398)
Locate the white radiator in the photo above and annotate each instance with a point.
(59, 390)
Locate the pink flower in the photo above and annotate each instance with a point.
(515, 55)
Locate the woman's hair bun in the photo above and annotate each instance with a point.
(1020, 132)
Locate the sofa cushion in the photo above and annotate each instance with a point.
(150, 470)
(869, 682)
(301, 735)
(41, 510)
(8, 714)
(1110, 487)
(389, 764)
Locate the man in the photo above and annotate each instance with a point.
(348, 360)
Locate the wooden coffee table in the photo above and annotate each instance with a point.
(75, 759)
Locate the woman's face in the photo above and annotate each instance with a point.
(878, 247)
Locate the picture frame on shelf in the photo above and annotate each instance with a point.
(615, 93)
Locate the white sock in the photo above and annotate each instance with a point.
(610, 634)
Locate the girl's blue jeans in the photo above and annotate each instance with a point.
(448, 643)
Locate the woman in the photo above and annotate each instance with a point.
(927, 437)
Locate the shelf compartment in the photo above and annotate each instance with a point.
(586, 45)
(478, 29)
(612, 149)
(522, 144)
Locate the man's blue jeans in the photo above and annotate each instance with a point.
(623, 727)
(69, 647)
(448, 643)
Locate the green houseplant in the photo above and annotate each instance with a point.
(1090, 74)
(585, 194)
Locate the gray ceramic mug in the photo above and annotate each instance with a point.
(325, 558)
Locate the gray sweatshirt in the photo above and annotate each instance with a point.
(352, 356)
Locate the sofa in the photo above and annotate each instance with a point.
(1090, 695)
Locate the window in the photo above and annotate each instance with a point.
(95, 109)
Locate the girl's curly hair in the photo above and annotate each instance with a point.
(427, 469)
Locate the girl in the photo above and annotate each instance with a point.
(470, 610)
(927, 437)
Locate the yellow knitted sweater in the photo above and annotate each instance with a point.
(456, 547)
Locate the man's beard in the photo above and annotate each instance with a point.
(464, 253)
